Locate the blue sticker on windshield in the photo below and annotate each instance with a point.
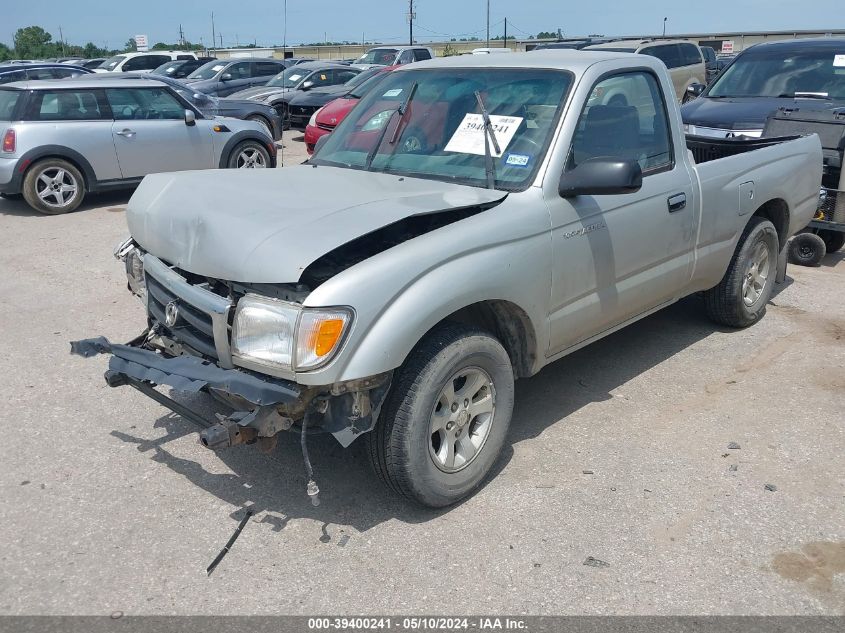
(518, 160)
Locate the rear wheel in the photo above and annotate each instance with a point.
(249, 155)
(833, 240)
(740, 298)
(446, 417)
(53, 186)
(807, 249)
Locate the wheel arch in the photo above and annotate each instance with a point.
(776, 211)
(32, 157)
(242, 136)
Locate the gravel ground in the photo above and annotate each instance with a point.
(619, 452)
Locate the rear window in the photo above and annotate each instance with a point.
(9, 77)
(64, 105)
(8, 101)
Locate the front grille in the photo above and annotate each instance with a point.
(324, 126)
(202, 317)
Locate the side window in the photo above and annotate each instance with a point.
(266, 69)
(668, 54)
(183, 57)
(7, 78)
(145, 62)
(406, 57)
(62, 73)
(689, 54)
(322, 77)
(143, 103)
(239, 70)
(342, 76)
(64, 105)
(421, 54)
(39, 73)
(625, 117)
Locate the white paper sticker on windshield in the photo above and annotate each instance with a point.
(839, 61)
(218, 67)
(469, 137)
(295, 77)
(393, 93)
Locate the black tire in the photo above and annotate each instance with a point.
(246, 151)
(726, 303)
(400, 445)
(833, 240)
(807, 249)
(34, 185)
(268, 127)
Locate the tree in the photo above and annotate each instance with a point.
(130, 46)
(33, 42)
(6, 52)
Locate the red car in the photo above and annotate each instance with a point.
(327, 118)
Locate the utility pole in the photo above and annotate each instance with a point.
(488, 23)
(664, 26)
(62, 39)
(213, 34)
(506, 33)
(181, 37)
(411, 17)
(220, 35)
(285, 32)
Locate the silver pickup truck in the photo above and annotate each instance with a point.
(469, 222)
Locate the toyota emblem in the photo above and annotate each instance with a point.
(171, 314)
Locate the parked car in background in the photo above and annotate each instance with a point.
(65, 139)
(293, 61)
(216, 106)
(572, 44)
(93, 63)
(393, 56)
(711, 63)
(306, 102)
(141, 62)
(34, 72)
(490, 51)
(327, 118)
(281, 89)
(224, 77)
(683, 59)
(806, 73)
(181, 68)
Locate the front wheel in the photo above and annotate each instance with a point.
(249, 155)
(446, 417)
(740, 298)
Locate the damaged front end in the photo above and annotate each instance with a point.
(215, 336)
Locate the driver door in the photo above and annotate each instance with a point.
(151, 136)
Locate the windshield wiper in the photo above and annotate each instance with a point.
(402, 108)
(489, 135)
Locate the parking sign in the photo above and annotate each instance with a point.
(141, 43)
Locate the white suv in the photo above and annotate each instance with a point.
(141, 62)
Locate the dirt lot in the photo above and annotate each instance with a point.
(108, 503)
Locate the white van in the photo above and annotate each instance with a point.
(490, 51)
(141, 62)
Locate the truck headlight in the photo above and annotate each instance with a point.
(285, 335)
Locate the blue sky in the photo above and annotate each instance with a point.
(113, 22)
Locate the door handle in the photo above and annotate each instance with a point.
(126, 132)
(677, 202)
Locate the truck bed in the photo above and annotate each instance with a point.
(704, 149)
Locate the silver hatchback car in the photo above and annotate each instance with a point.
(64, 139)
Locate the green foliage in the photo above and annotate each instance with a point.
(449, 51)
(130, 46)
(187, 46)
(550, 35)
(6, 53)
(33, 42)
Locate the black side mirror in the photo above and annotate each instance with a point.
(601, 177)
(695, 90)
(320, 142)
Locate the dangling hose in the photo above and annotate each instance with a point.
(312, 489)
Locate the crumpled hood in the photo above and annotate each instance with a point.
(268, 225)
